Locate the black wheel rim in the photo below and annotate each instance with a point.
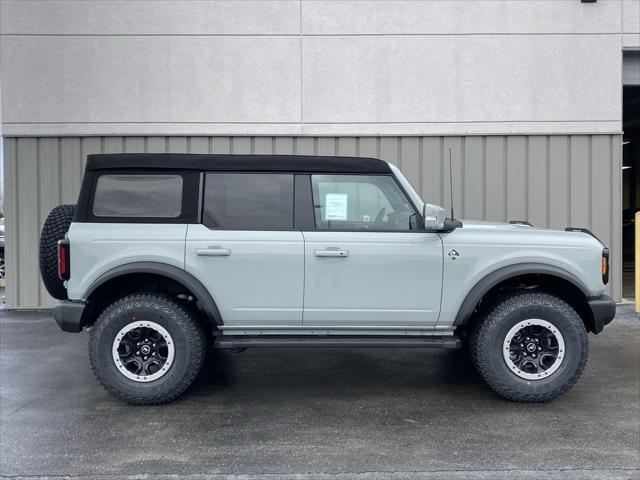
(143, 351)
(533, 349)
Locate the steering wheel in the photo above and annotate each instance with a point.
(380, 215)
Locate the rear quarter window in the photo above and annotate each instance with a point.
(138, 195)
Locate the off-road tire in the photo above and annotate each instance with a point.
(488, 336)
(188, 338)
(55, 227)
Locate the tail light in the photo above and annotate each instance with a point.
(605, 266)
(63, 259)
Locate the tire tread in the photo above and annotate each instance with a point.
(485, 330)
(55, 227)
(191, 328)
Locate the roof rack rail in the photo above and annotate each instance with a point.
(520, 222)
(583, 230)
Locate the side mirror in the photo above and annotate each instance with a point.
(433, 217)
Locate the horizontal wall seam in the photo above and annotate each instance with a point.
(296, 35)
(408, 122)
(310, 134)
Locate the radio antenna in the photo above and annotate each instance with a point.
(451, 183)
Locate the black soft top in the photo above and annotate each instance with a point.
(238, 163)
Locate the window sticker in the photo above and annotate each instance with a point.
(335, 206)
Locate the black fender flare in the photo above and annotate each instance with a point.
(205, 300)
(500, 275)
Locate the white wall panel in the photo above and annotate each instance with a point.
(631, 41)
(150, 17)
(631, 24)
(326, 68)
(472, 79)
(459, 16)
(98, 80)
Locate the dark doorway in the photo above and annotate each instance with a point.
(630, 182)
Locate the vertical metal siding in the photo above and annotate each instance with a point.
(552, 181)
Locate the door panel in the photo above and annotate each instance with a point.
(255, 277)
(372, 278)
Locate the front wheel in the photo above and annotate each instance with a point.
(146, 349)
(531, 347)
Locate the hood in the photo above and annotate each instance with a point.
(486, 225)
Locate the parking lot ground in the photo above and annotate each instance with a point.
(301, 414)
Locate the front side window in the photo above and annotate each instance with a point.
(361, 202)
(138, 196)
(248, 201)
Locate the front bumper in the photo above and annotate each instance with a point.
(603, 310)
(68, 315)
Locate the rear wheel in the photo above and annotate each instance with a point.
(531, 347)
(146, 349)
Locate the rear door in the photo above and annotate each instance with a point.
(246, 251)
(368, 263)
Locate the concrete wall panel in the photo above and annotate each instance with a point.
(631, 23)
(324, 68)
(434, 80)
(459, 17)
(111, 80)
(144, 17)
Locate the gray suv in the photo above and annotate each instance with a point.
(165, 254)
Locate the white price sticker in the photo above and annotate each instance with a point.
(335, 206)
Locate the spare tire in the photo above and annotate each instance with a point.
(55, 227)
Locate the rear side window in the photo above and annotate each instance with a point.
(248, 201)
(138, 196)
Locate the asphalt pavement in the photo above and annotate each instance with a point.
(341, 414)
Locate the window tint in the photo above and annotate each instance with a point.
(138, 196)
(360, 202)
(248, 201)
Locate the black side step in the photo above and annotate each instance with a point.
(335, 341)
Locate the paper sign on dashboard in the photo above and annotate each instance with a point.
(335, 206)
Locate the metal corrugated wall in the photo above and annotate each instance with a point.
(551, 181)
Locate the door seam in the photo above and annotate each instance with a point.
(184, 250)
(304, 273)
(441, 281)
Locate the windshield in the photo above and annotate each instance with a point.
(415, 198)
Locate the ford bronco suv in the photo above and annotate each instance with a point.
(166, 254)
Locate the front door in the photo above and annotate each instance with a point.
(246, 252)
(367, 263)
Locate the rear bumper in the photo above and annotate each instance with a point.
(68, 315)
(603, 310)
